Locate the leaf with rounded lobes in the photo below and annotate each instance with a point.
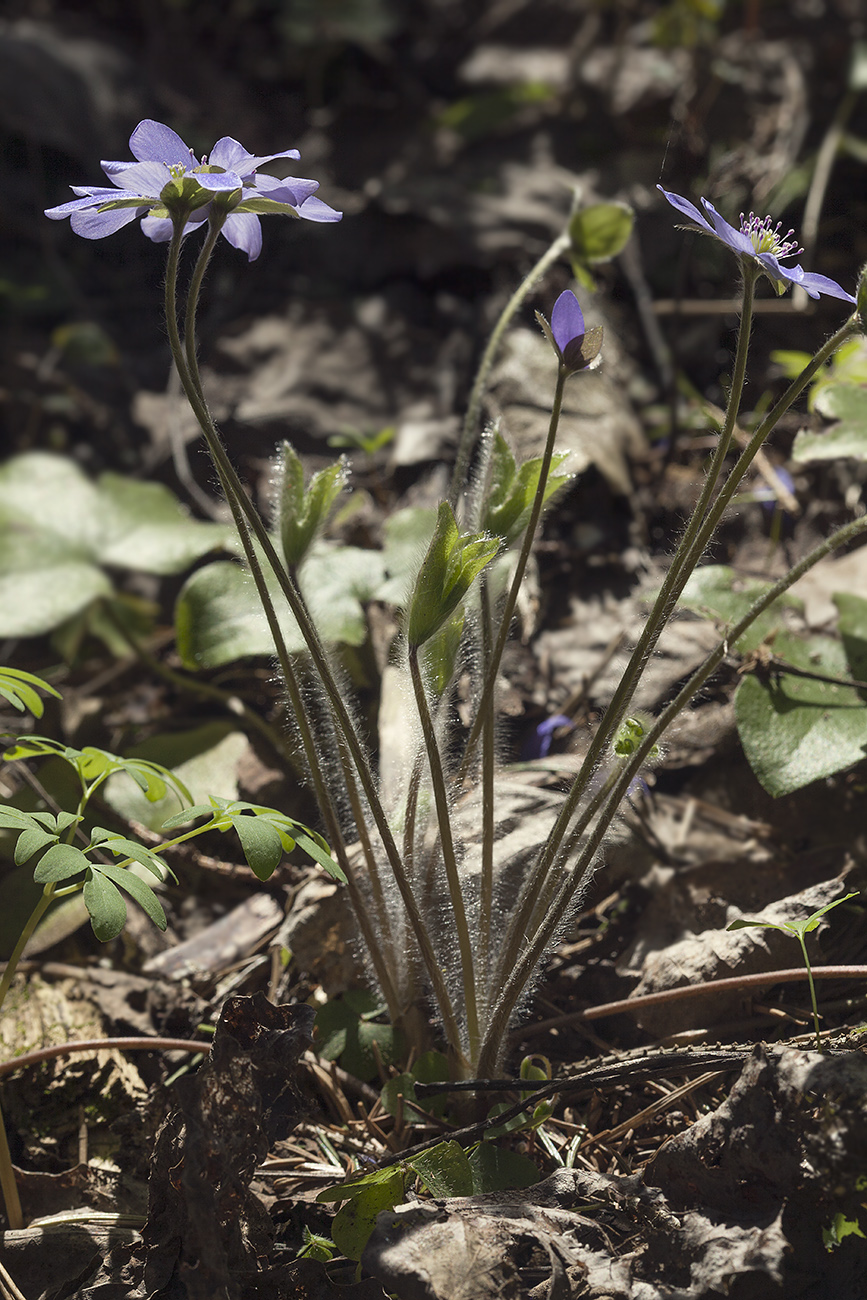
(105, 905)
(716, 591)
(30, 842)
(846, 440)
(137, 889)
(60, 862)
(58, 528)
(796, 730)
(601, 231)
(352, 1225)
(497, 1169)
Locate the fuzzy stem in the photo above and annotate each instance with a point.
(450, 863)
(684, 559)
(471, 420)
(239, 502)
(492, 668)
(186, 362)
(531, 954)
(486, 896)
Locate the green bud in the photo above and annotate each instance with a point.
(303, 511)
(452, 563)
(600, 232)
(861, 298)
(512, 490)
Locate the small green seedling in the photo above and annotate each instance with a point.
(799, 929)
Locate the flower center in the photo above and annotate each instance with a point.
(766, 238)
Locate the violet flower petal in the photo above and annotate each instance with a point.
(231, 155)
(314, 209)
(567, 319)
(90, 224)
(294, 190)
(244, 231)
(735, 239)
(688, 209)
(153, 142)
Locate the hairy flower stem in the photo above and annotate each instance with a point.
(450, 863)
(684, 560)
(485, 703)
(471, 420)
(763, 431)
(187, 365)
(486, 895)
(241, 505)
(528, 959)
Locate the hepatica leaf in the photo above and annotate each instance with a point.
(715, 591)
(59, 529)
(846, 440)
(796, 730)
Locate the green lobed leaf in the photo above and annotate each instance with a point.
(346, 1030)
(715, 591)
(60, 862)
(105, 906)
(137, 889)
(796, 730)
(845, 440)
(58, 529)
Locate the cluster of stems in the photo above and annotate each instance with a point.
(477, 999)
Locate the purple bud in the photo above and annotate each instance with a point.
(567, 320)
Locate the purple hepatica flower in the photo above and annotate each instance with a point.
(166, 180)
(575, 345)
(763, 244)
